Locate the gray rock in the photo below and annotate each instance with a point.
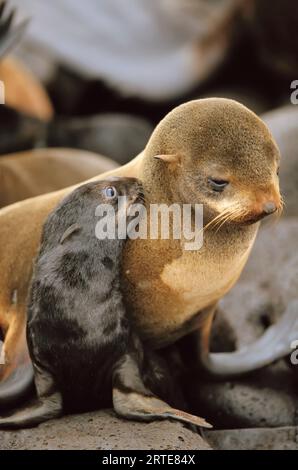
(223, 337)
(102, 430)
(285, 438)
(268, 283)
(267, 286)
(267, 398)
(283, 123)
(118, 136)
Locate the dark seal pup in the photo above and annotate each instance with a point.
(83, 348)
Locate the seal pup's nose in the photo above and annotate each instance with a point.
(269, 207)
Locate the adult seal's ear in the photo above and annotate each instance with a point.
(171, 159)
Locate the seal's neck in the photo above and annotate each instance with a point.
(156, 181)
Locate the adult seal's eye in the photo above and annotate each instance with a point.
(110, 192)
(217, 184)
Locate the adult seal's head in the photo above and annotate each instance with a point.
(216, 152)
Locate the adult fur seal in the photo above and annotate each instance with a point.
(212, 151)
(80, 336)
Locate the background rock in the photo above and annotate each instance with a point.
(283, 123)
(266, 287)
(267, 398)
(285, 438)
(268, 283)
(117, 136)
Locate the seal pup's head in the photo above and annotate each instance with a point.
(80, 207)
(218, 153)
(107, 191)
(114, 187)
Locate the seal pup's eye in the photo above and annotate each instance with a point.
(110, 192)
(217, 184)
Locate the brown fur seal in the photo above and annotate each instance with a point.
(84, 348)
(212, 151)
(40, 171)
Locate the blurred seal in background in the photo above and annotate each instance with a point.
(40, 171)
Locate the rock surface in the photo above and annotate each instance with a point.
(118, 136)
(265, 399)
(267, 286)
(268, 283)
(285, 438)
(102, 430)
(283, 123)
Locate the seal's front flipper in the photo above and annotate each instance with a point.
(132, 400)
(47, 408)
(133, 405)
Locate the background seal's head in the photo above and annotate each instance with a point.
(217, 152)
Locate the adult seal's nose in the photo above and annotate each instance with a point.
(269, 207)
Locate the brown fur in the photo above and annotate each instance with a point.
(40, 171)
(164, 286)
